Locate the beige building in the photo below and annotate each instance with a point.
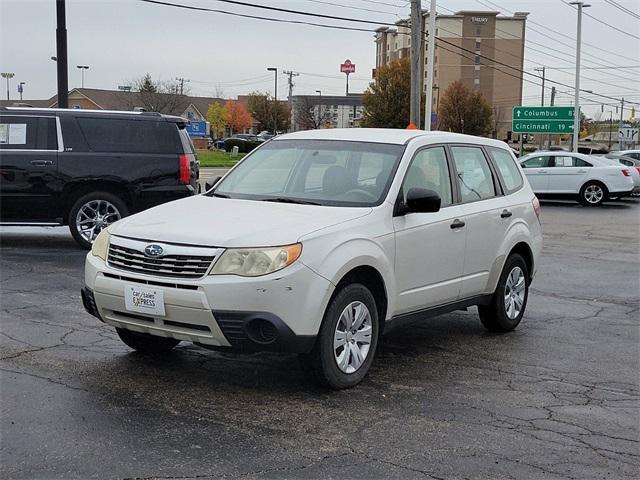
(466, 41)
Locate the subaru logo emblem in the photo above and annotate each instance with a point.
(153, 250)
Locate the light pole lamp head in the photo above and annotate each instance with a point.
(272, 69)
(7, 75)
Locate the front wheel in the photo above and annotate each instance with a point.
(92, 213)
(145, 343)
(509, 301)
(347, 340)
(592, 194)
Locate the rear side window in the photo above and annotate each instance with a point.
(28, 133)
(130, 136)
(474, 175)
(187, 144)
(508, 169)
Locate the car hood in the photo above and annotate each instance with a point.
(226, 222)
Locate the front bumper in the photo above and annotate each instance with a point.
(281, 311)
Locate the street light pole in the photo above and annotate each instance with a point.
(576, 100)
(542, 70)
(431, 47)
(416, 63)
(319, 92)
(275, 99)
(21, 89)
(61, 55)
(82, 69)
(8, 76)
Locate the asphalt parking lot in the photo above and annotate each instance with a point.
(557, 398)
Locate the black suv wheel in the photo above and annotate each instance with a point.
(92, 213)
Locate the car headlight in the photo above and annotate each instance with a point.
(253, 262)
(101, 245)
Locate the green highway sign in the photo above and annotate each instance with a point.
(542, 120)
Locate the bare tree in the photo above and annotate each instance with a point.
(158, 96)
(311, 115)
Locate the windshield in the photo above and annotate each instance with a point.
(319, 172)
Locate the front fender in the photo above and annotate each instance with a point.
(337, 260)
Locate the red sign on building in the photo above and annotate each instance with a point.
(348, 67)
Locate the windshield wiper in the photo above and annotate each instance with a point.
(289, 200)
(220, 195)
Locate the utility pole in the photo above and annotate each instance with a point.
(8, 76)
(181, 80)
(21, 89)
(61, 55)
(538, 69)
(552, 103)
(416, 63)
(576, 100)
(275, 99)
(290, 74)
(621, 111)
(431, 48)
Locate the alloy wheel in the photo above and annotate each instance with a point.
(94, 216)
(514, 293)
(352, 337)
(593, 194)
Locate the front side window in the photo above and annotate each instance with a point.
(28, 133)
(429, 170)
(474, 175)
(536, 162)
(508, 169)
(322, 172)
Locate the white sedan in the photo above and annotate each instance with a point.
(589, 179)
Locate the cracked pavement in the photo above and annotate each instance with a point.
(558, 398)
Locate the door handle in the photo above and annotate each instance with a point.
(582, 171)
(41, 163)
(542, 171)
(457, 223)
(505, 213)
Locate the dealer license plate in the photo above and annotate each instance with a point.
(144, 300)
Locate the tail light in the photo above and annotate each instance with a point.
(536, 207)
(185, 170)
(638, 168)
(625, 172)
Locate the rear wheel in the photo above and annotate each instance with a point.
(509, 301)
(92, 213)
(592, 194)
(347, 340)
(145, 343)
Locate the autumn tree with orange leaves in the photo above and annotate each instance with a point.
(237, 116)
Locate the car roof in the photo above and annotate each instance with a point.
(387, 135)
(79, 111)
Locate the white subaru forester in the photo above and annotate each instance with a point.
(319, 241)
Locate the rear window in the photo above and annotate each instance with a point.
(130, 136)
(28, 133)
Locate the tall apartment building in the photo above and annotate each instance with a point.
(482, 35)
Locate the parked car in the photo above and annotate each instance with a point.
(629, 153)
(588, 179)
(319, 241)
(634, 168)
(87, 169)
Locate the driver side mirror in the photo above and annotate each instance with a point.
(422, 200)
(211, 183)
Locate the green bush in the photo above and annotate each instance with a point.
(243, 145)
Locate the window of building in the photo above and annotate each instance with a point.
(476, 81)
(478, 31)
(477, 46)
(477, 59)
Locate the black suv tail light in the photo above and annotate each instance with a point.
(185, 169)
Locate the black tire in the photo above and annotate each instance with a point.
(321, 363)
(115, 203)
(145, 343)
(494, 316)
(589, 194)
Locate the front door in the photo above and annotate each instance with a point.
(537, 171)
(430, 247)
(28, 168)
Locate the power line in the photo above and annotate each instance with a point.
(546, 27)
(623, 8)
(364, 9)
(603, 22)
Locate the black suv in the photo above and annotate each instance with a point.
(89, 168)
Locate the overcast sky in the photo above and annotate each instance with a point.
(122, 40)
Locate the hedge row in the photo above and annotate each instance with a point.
(244, 146)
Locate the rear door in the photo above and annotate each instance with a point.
(567, 174)
(29, 185)
(537, 171)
